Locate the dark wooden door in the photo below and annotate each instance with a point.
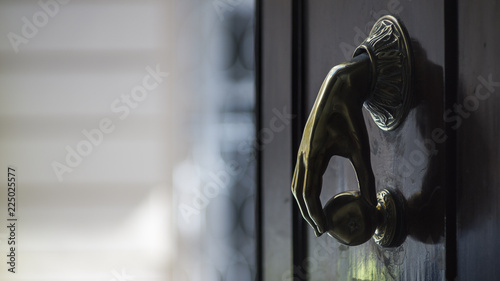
(445, 149)
(476, 118)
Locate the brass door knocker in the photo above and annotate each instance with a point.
(380, 77)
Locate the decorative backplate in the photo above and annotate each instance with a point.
(392, 231)
(389, 49)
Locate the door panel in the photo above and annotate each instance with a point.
(413, 159)
(478, 210)
(407, 159)
(274, 138)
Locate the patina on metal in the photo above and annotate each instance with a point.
(352, 222)
(378, 77)
(389, 48)
(391, 230)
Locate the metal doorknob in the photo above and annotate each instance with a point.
(380, 77)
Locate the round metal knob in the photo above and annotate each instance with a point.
(352, 221)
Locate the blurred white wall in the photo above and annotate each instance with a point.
(147, 80)
(111, 214)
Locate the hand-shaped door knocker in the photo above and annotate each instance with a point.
(380, 77)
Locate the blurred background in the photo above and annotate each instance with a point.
(131, 127)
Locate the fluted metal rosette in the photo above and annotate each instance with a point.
(389, 49)
(391, 232)
(386, 230)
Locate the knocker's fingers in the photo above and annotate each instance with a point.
(316, 213)
(297, 191)
(312, 190)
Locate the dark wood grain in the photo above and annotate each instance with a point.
(478, 208)
(276, 139)
(417, 158)
(407, 159)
